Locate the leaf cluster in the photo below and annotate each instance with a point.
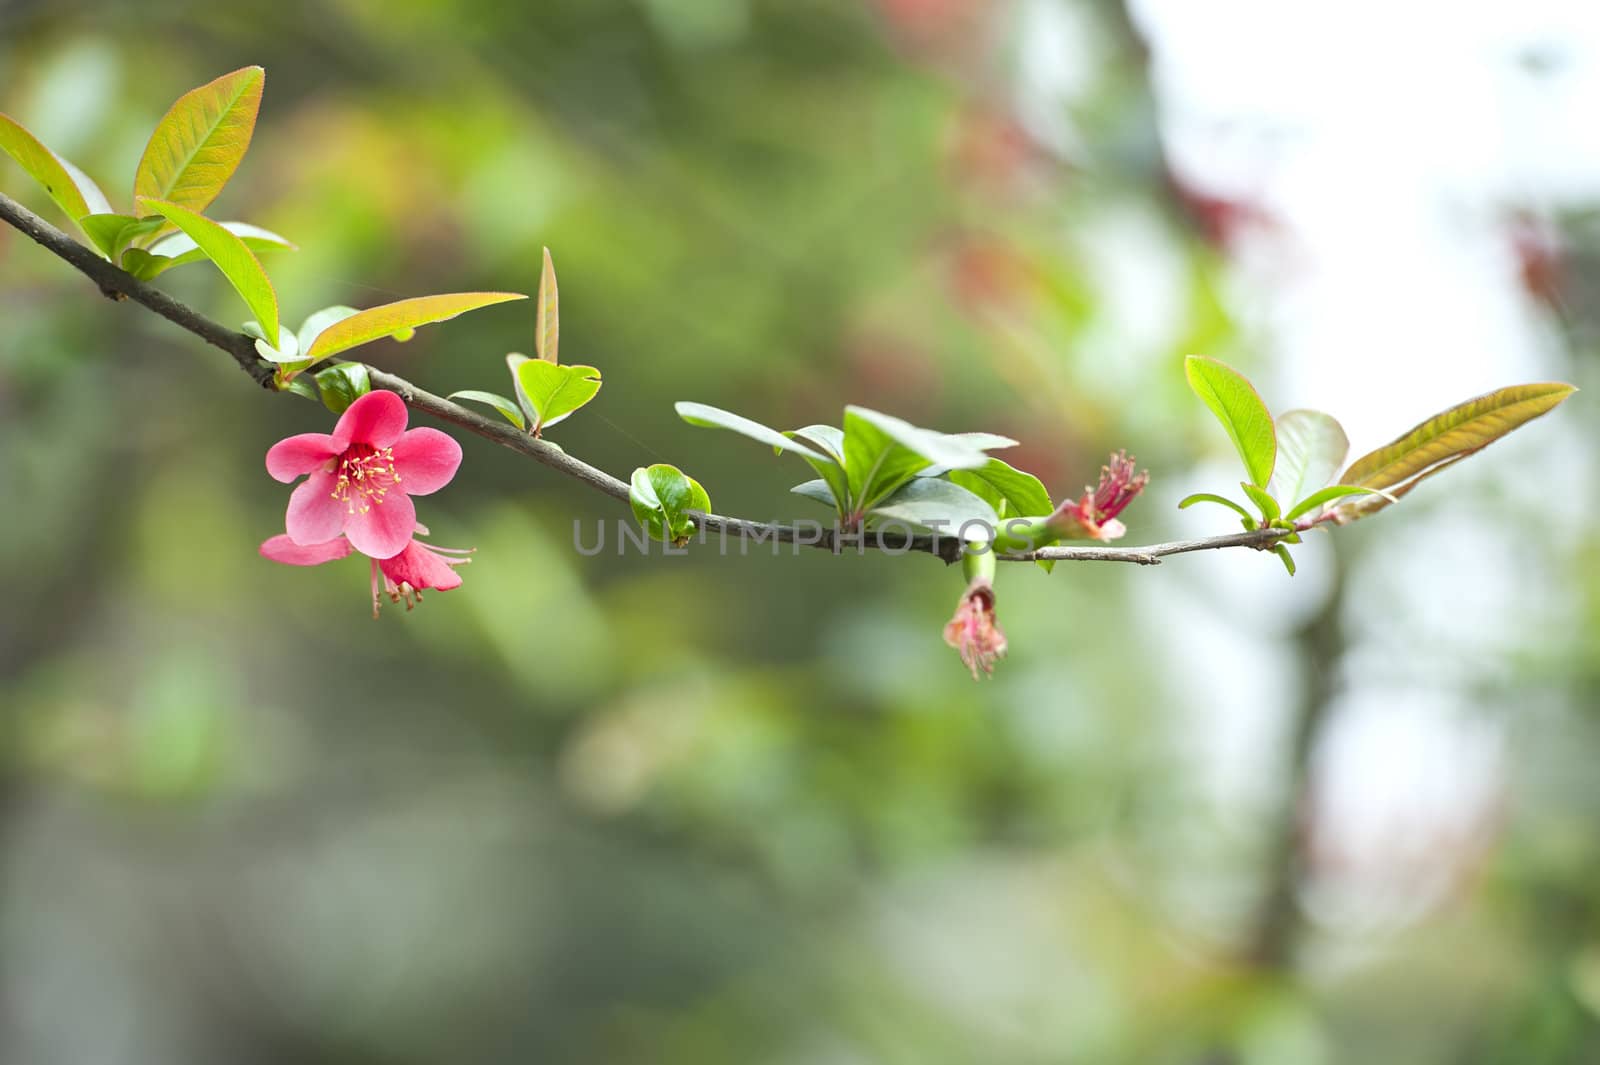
(1290, 460)
(876, 470)
(191, 155)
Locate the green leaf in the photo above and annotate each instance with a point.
(1023, 494)
(981, 441)
(1445, 439)
(1288, 560)
(237, 262)
(393, 319)
(830, 442)
(883, 452)
(926, 502)
(514, 360)
(68, 186)
(179, 249)
(818, 490)
(1208, 497)
(317, 321)
(198, 144)
(342, 385)
(301, 387)
(709, 417)
(1311, 447)
(663, 497)
(957, 452)
(554, 392)
(1332, 492)
(142, 264)
(1237, 406)
(547, 330)
(1270, 511)
(112, 233)
(508, 410)
(286, 354)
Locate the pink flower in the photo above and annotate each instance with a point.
(361, 479)
(973, 631)
(406, 575)
(1093, 517)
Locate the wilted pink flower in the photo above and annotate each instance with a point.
(973, 631)
(360, 480)
(405, 576)
(1093, 517)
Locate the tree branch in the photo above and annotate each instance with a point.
(118, 284)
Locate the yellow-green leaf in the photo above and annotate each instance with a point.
(547, 330)
(68, 186)
(236, 261)
(197, 146)
(554, 391)
(1444, 439)
(375, 323)
(1233, 399)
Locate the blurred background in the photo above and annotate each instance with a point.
(705, 810)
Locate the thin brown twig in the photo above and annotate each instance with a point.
(118, 284)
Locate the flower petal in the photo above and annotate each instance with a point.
(383, 529)
(420, 568)
(314, 516)
(377, 419)
(1112, 529)
(425, 460)
(294, 455)
(282, 549)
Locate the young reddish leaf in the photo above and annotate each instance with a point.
(237, 262)
(197, 146)
(1233, 399)
(547, 330)
(68, 186)
(1444, 439)
(375, 323)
